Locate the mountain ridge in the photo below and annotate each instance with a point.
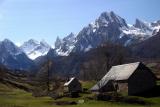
(13, 57)
(107, 28)
(111, 27)
(34, 49)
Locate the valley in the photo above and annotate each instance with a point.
(33, 74)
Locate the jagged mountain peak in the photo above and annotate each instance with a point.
(108, 27)
(64, 46)
(69, 38)
(58, 38)
(142, 25)
(110, 17)
(155, 23)
(13, 57)
(71, 35)
(44, 43)
(34, 48)
(8, 43)
(139, 21)
(32, 41)
(10, 47)
(7, 40)
(58, 42)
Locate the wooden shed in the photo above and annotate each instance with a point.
(132, 78)
(72, 85)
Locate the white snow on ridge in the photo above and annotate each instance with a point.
(34, 49)
(36, 54)
(129, 25)
(121, 35)
(127, 42)
(88, 48)
(133, 31)
(64, 47)
(156, 28)
(66, 53)
(60, 53)
(18, 44)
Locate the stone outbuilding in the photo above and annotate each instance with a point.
(132, 78)
(72, 85)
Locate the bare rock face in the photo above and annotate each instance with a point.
(148, 48)
(142, 25)
(108, 27)
(13, 57)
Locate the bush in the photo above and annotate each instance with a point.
(114, 97)
(74, 94)
(134, 100)
(108, 96)
(65, 103)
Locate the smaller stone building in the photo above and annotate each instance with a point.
(133, 78)
(73, 85)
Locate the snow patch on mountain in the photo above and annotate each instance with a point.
(88, 48)
(34, 49)
(127, 42)
(121, 35)
(64, 47)
(156, 28)
(133, 31)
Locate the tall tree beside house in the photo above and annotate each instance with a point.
(101, 60)
(49, 63)
(43, 77)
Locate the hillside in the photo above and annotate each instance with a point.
(14, 89)
(14, 97)
(149, 48)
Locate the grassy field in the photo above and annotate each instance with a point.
(13, 97)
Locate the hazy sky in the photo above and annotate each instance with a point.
(21, 20)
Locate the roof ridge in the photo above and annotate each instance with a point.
(126, 64)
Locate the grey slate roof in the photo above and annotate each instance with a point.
(119, 72)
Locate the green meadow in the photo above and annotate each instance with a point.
(14, 97)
